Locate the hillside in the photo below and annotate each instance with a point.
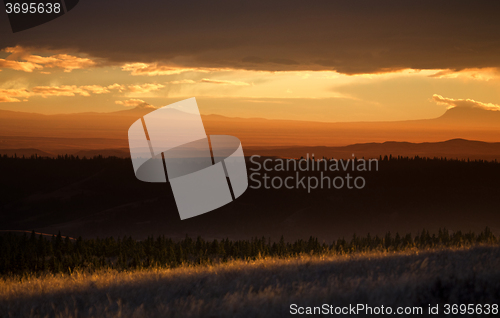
(412, 280)
(102, 197)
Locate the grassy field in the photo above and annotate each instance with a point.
(264, 287)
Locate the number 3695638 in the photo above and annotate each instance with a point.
(26, 7)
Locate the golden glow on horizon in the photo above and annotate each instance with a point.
(80, 84)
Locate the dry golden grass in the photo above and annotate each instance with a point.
(265, 287)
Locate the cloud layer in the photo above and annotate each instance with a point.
(144, 88)
(21, 60)
(352, 37)
(464, 103)
(15, 95)
(134, 103)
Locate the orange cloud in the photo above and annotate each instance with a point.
(484, 74)
(65, 61)
(19, 66)
(6, 99)
(144, 88)
(210, 81)
(63, 90)
(222, 82)
(69, 90)
(12, 95)
(154, 69)
(464, 103)
(117, 86)
(95, 89)
(134, 103)
(186, 81)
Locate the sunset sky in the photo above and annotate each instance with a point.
(320, 61)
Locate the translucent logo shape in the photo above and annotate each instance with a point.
(205, 172)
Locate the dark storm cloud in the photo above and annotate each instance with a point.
(348, 36)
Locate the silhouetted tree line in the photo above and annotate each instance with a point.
(24, 176)
(100, 158)
(25, 254)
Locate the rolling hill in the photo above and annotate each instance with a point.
(102, 197)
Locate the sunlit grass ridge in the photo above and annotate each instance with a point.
(264, 286)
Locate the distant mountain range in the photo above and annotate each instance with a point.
(88, 134)
(451, 149)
